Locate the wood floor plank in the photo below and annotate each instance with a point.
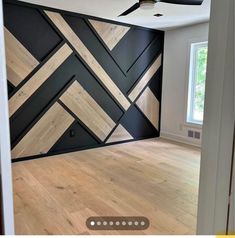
(111, 34)
(75, 41)
(120, 134)
(146, 78)
(46, 215)
(142, 178)
(28, 89)
(150, 106)
(20, 62)
(87, 110)
(44, 134)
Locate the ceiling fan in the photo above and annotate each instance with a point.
(145, 4)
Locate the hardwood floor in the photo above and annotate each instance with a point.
(154, 178)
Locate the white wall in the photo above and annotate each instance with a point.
(175, 81)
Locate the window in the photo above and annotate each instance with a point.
(197, 79)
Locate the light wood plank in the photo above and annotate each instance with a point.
(154, 178)
(44, 134)
(146, 78)
(20, 62)
(66, 30)
(27, 90)
(39, 206)
(120, 134)
(87, 110)
(150, 106)
(111, 34)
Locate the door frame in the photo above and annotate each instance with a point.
(231, 221)
(217, 136)
(7, 214)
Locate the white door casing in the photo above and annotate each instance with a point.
(5, 156)
(217, 139)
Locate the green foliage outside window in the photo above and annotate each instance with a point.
(201, 64)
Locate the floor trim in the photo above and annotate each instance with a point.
(179, 138)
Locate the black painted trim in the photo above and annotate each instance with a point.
(77, 150)
(104, 45)
(86, 65)
(34, 71)
(49, 105)
(80, 122)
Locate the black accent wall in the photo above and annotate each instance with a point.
(128, 64)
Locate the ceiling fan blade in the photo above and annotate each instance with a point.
(183, 2)
(130, 10)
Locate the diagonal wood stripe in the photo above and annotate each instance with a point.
(20, 62)
(27, 90)
(87, 110)
(45, 133)
(150, 106)
(66, 30)
(146, 78)
(120, 134)
(111, 34)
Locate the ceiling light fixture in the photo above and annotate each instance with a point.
(147, 4)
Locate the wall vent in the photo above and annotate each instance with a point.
(190, 133)
(194, 134)
(197, 135)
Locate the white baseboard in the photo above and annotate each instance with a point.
(180, 138)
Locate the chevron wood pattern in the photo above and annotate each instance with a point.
(87, 110)
(120, 134)
(150, 106)
(111, 34)
(88, 57)
(38, 78)
(44, 134)
(145, 79)
(20, 62)
(101, 78)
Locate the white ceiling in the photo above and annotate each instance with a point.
(173, 15)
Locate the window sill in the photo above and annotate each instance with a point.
(193, 125)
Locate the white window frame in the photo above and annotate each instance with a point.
(191, 89)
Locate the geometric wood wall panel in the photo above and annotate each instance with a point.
(77, 82)
(120, 134)
(138, 39)
(45, 133)
(136, 124)
(66, 30)
(139, 66)
(98, 49)
(39, 78)
(145, 79)
(156, 85)
(20, 61)
(49, 91)
(111, 34)
(75, 137)
(149, 105)
(87, 110)
(30, 28)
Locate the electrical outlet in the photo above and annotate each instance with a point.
(72, 133)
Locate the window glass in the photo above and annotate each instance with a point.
(197, 80)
